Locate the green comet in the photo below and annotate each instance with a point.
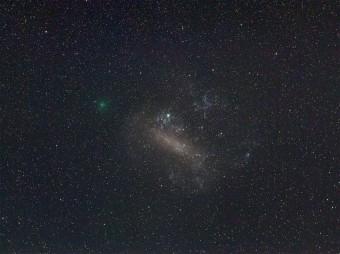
(102, 105)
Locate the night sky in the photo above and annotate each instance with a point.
(169, 127)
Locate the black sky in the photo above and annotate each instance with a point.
(253, 84)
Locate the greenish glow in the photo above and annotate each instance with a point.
(102, 105)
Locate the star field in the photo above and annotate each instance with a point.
(169, 127)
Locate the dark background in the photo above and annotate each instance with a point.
(67, 182)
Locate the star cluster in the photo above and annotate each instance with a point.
(202, 134)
